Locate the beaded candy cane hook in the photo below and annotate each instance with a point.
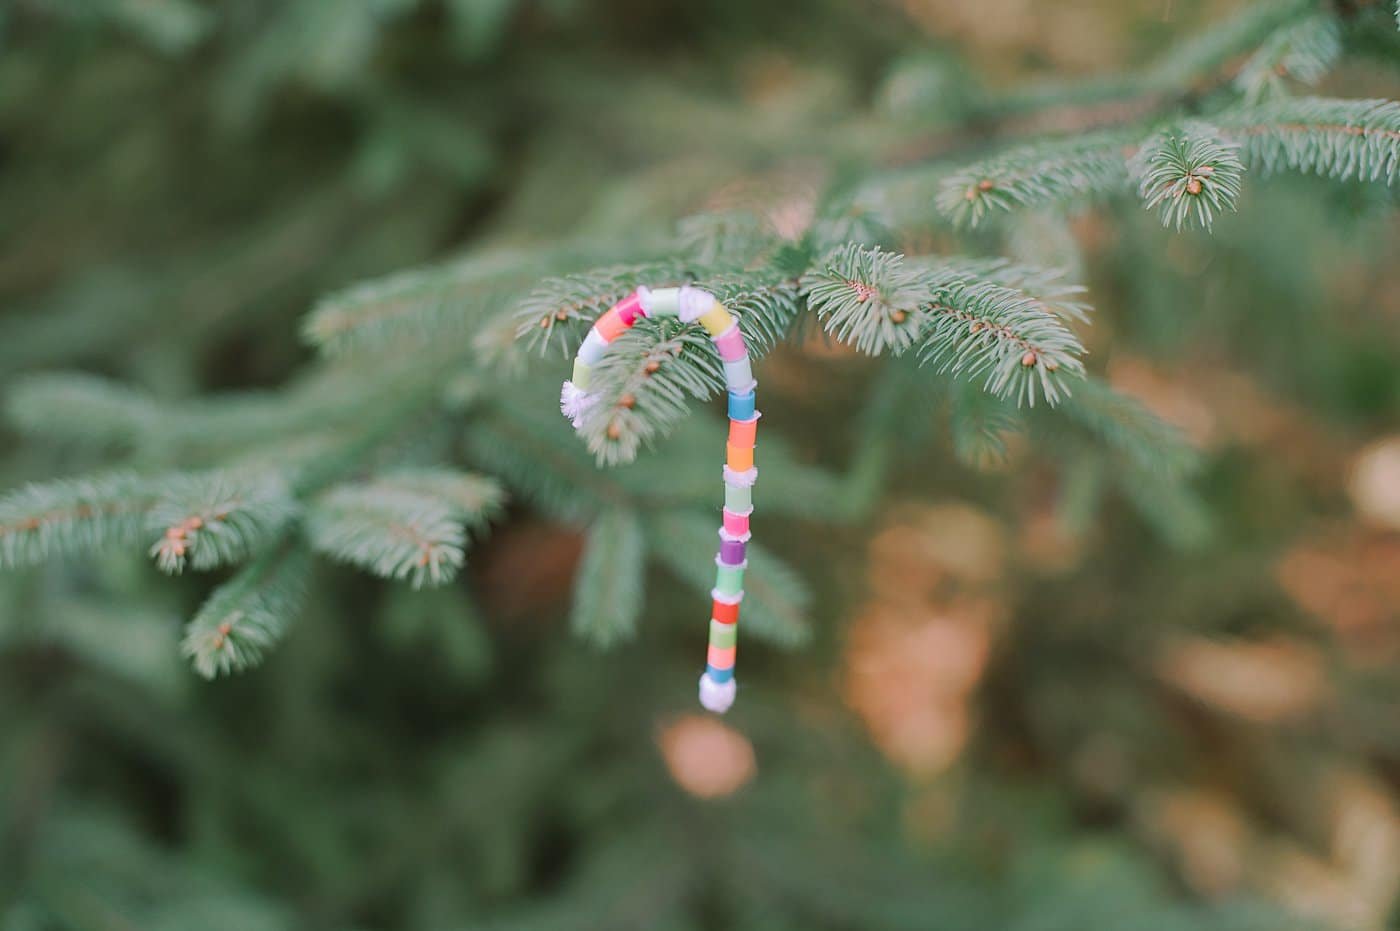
(691, 305)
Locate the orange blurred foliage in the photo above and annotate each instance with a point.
(707, 758)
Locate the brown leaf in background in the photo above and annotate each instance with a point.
(1265, 681)
(706, 757)
(1375, 483)
(528, 567)
(1350, 579)
(1205, 834)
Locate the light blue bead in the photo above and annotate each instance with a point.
(719, 676)
(741, 406)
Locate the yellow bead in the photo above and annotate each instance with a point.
(716, 320)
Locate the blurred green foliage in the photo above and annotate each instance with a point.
(180, 182)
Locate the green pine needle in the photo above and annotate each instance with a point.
(557, 313)
(608, 588)
(1058, 173)
(475, 499)
(1304, 50)
(391, 533)
(644, 386)
(421, 305)
(70, 517)
(1338, 139)
(868, 298)
(775, 598)
(247, 615)
(205, 521)
(1190, 175)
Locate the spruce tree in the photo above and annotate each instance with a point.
(377, 498)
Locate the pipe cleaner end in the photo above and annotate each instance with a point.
(574, 403)
(693, 303)
(717, 696)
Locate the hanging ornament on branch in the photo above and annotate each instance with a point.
(694, 305)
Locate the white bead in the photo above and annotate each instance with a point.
(693, 303)
(717, 696)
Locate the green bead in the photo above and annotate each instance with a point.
(723, 636)
(583, 375)
(738, 498)
(665, 302)
(729, 579)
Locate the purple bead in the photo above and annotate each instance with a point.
(731, 552)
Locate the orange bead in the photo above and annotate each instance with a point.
(740, 458)
(721, 657)
(742, 432)
(610, 325)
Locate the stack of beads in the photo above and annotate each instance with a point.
(693, 305)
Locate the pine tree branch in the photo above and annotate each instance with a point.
(66, 518)
(984, 330)
(1121, 424)
(1304, 50)
(1340, 139)
(867, 298)
(78, 407)
(1058, 173)
(1190, 174)
(1046, 288)
(557, 313)
(644, 386)
(206, 521)
(979, 424)
(775, 598)
(247, 615)
(391, 533)
(474, 500)
(608, 589)
(422, 305)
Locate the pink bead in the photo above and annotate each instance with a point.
(736, 525)
(630, 308)
(730, 344)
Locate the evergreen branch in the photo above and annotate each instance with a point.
(422, 304)
(246, 616)
(525, 441)
(1172, 509)
(1218, 45)
(1190, 174)
(1188, 71)
(644, 386)
(206, 521)
(608, 588)
(1340, 139)
(775, 597)
(475, 500)
(80, 407)
(735, 238)
(559, 311)
(977, 329)
(392, 534)
(1045, 287)
(979, 423)
(867, 298)
(1057, 173)
(767, 302)
(1304, 50)
(65, 518)
(1143, 441)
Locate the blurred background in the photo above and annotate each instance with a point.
(1013, 707)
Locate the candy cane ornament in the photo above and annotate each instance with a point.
(694, 305)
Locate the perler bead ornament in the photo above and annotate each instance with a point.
(694, 305)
